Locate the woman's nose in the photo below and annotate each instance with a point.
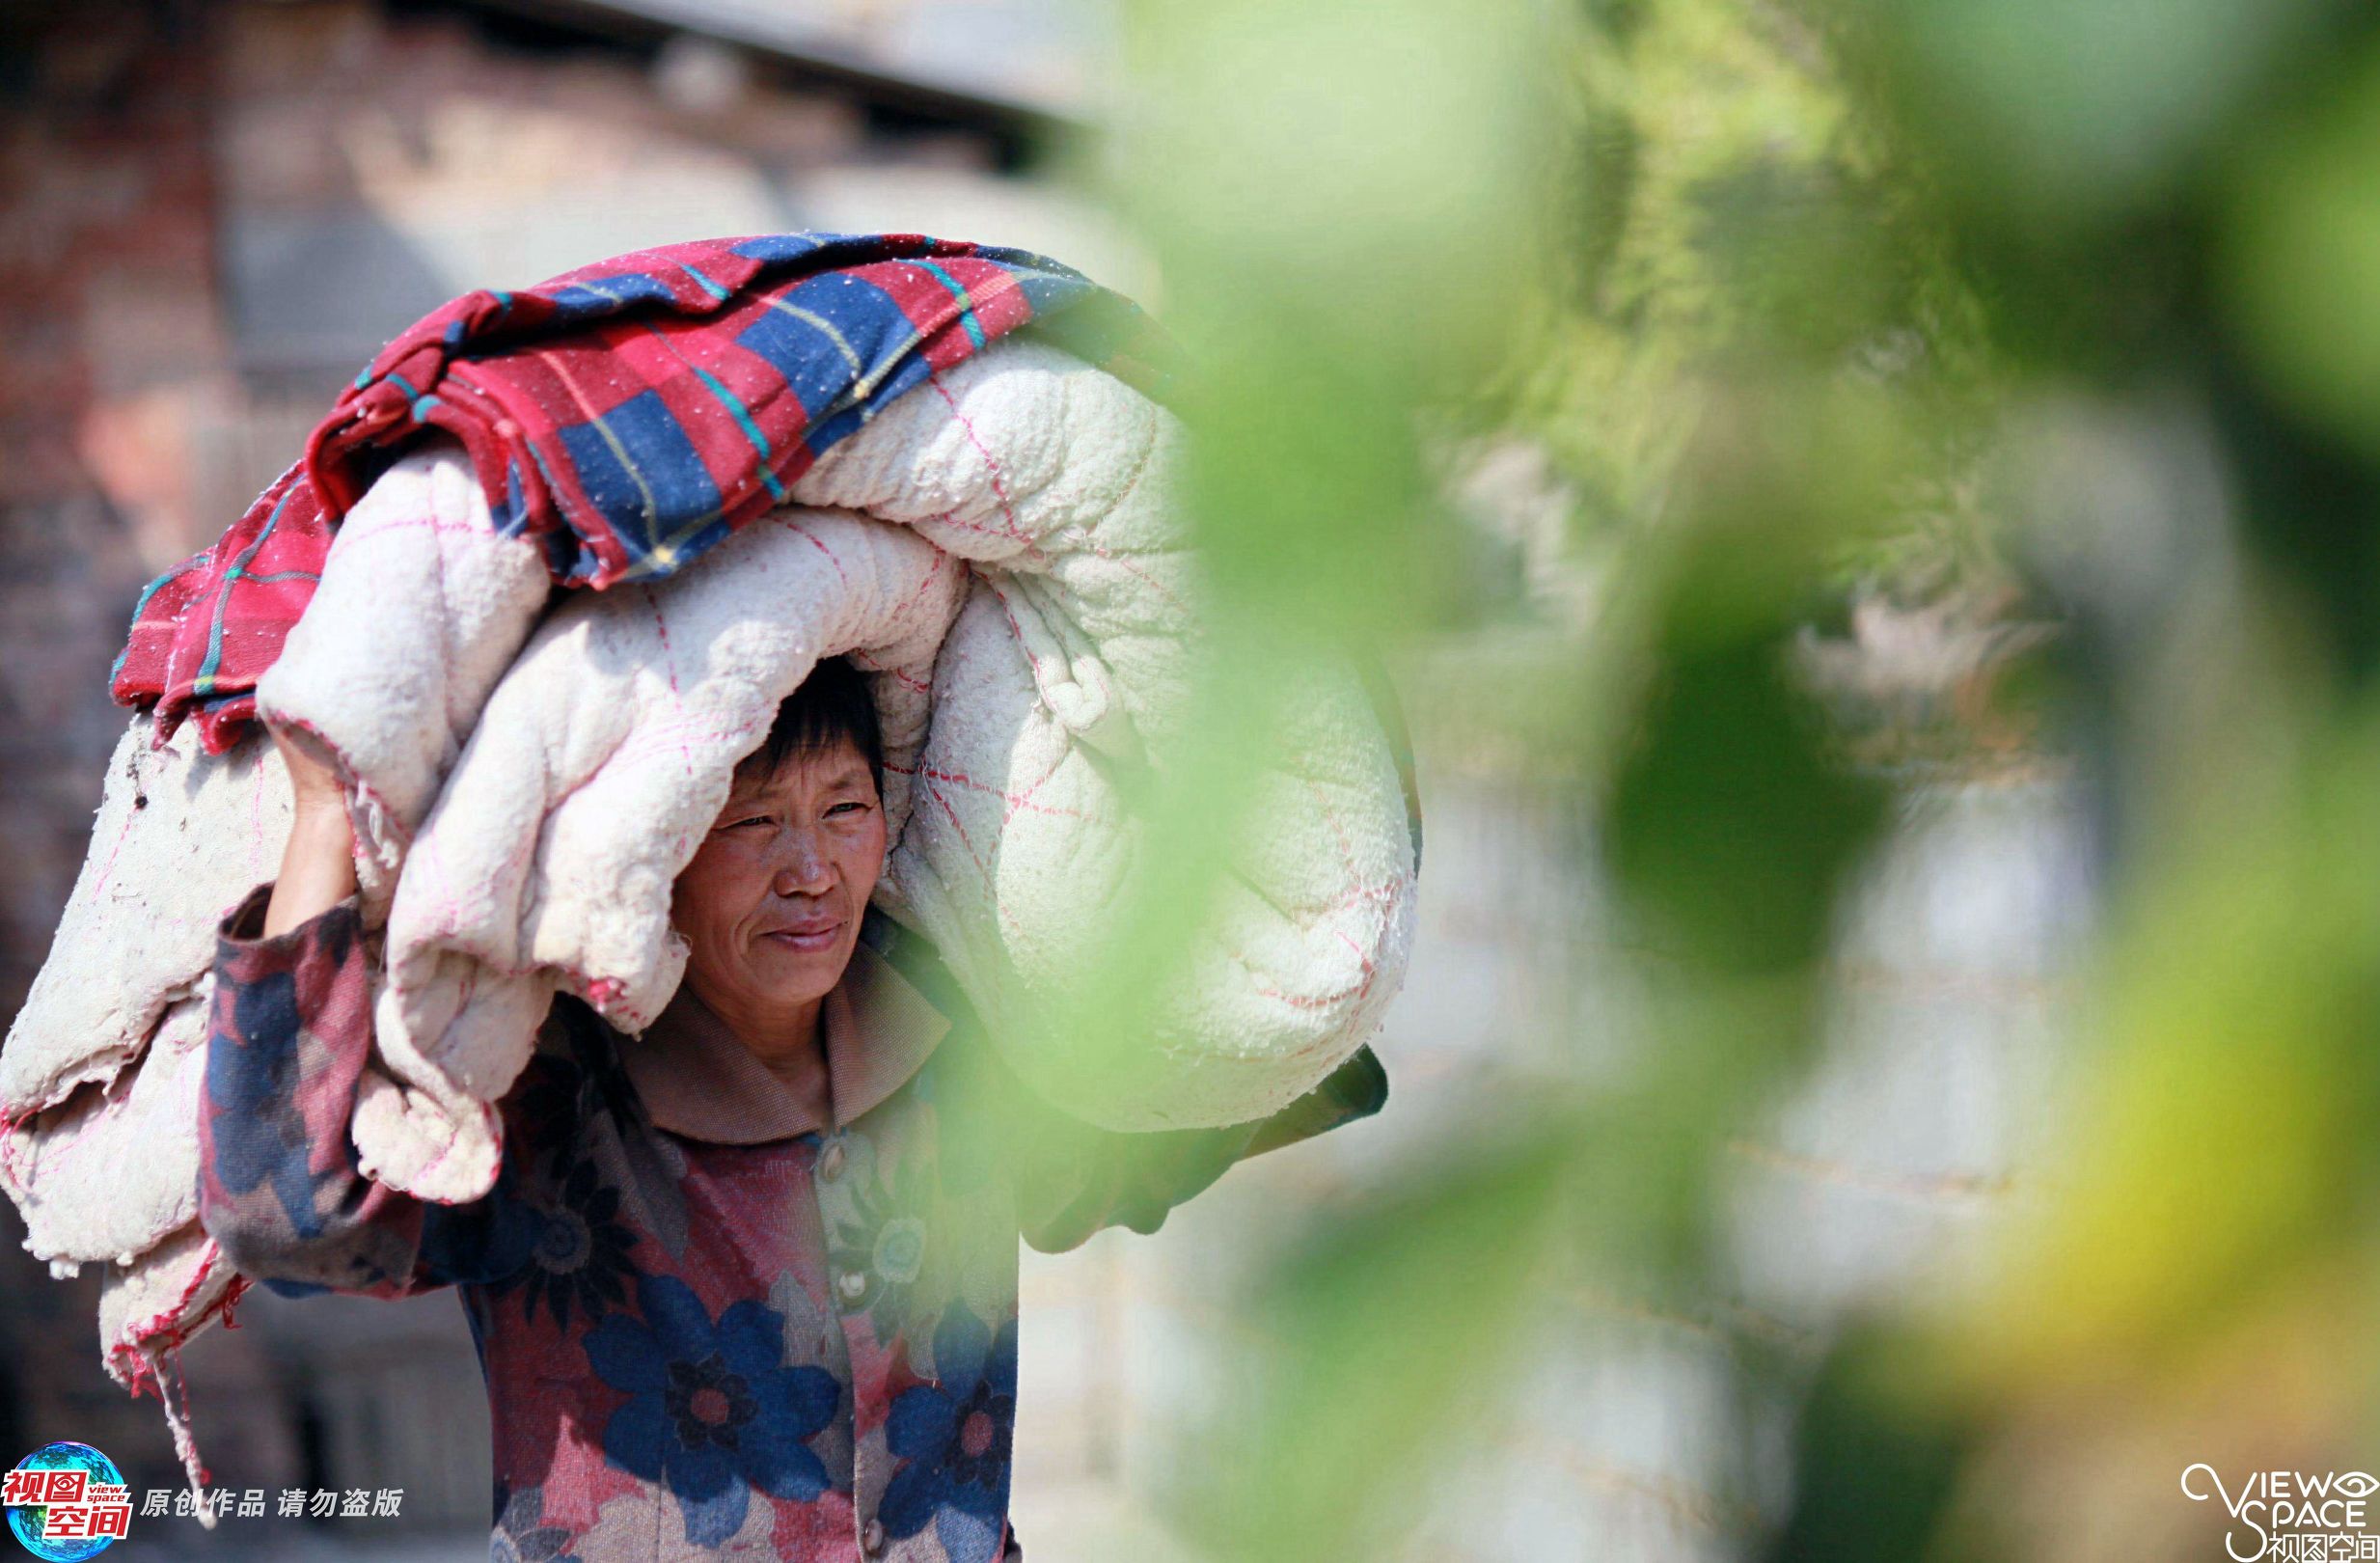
(803, 869)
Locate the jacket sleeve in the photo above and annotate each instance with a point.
(1072, 1178)
(279, 1190)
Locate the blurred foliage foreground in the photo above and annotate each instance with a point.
(2056, 320)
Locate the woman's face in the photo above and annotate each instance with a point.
(771, 903)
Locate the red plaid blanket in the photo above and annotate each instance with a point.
(630, 414)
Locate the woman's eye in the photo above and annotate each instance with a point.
(755, 819)
(841, 807)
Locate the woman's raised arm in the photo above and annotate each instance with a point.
(317, 865)
(279, 1189)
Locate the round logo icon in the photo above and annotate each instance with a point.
(66, 1501)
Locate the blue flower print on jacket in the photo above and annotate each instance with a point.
(522, 1535)
(715, 1409)
(877, 1240)
(244, 1080)
(953, 1440)
(583, 1255)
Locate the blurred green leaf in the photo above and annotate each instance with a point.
(2070, 111)
(1387, 1339)
(1777, 298)
(1875, 1465)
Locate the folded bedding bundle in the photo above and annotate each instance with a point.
(948, 462)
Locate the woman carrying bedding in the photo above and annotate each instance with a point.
(746, 1285)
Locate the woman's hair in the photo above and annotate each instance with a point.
(832, 703)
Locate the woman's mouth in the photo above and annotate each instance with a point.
(805, 937)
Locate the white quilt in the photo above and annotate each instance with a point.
(1004, 550)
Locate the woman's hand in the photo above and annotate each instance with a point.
(317, 865)
(314, 784)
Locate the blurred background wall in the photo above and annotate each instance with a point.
(211, 214)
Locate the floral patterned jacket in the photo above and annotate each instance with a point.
(711, 1325)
